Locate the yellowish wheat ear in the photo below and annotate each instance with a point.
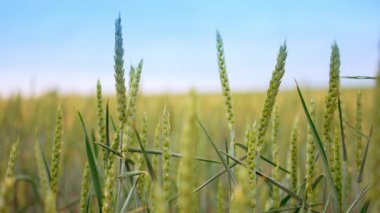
(12, 159)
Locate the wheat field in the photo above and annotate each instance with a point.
(300, 150)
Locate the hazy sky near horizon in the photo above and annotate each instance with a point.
(68, 45)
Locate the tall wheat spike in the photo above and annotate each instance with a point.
(131, 109)
(119, 72)
(270, 98)
(225, 88)
(331, 99)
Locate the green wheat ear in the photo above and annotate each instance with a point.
(338, 168)
(252, 154)
(224, 80)
(166, 152)
(272, 92)
(157, 141)
(43, 176)
(110, 175)
(141, 161)
(134, 84)
(12, 159)
(220, 198)
(85, 189)
(100, 119)
(358, 126)
(374, 155)
(7, 188)
(310, 155)
(119, 72)
(274, 139)
(240, 202)
(57, 149)
(159, 204)
(186, 197)
(293, 160)
(331, 98)
(225, 88)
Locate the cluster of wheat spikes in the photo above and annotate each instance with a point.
(127, 176)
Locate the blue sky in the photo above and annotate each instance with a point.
(68, 45)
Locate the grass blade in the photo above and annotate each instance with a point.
(218, 152)
(45, 161)
(233, 158)
(321, 150)
(294, 209)
(360, 176)
(68, 205)
(30, 180)
(109, 149)
(131, 174)
(93, 166)
(282, 187)
(172, 154)
(342, 130)
(285, 200)
(360, 195)
(264, 158)
(326, 204)
(125, 205)
(356, 130)
(365, 206)
(147, 161)
(359, 77)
